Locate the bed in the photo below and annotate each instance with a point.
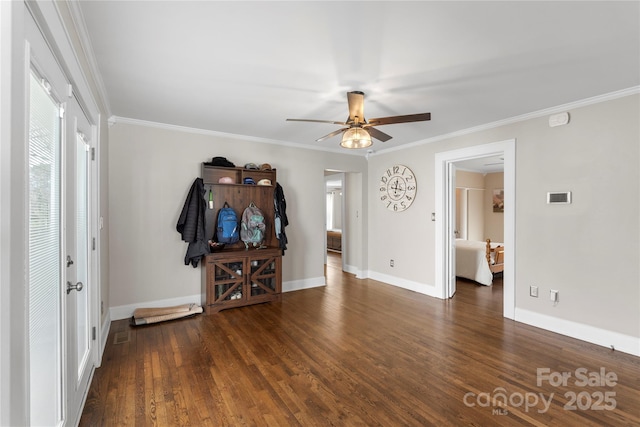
(479, 261)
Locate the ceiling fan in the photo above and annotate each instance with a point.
(358, 131)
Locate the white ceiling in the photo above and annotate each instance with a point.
(244, 67)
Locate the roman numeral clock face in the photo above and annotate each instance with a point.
(398, 188)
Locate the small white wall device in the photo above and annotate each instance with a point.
(558, 119)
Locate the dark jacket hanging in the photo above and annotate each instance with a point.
(191, 224)
(281, 220)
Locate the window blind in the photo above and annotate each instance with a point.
(44, 260)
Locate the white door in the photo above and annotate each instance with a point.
(78, 292)
(450, 224)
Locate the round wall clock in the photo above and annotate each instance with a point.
(398, 188)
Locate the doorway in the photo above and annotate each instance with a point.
(479, 183)
(335, 202)
(445, 217)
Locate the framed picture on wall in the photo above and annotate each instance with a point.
(498, 200)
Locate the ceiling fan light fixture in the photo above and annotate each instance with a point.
(356, 137)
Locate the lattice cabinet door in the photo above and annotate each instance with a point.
(263, 276)
(241, 277)
(226, 280)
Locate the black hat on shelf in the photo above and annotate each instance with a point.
(220, 161)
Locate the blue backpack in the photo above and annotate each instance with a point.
(227, 229)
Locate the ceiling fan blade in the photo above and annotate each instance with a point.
(356, 106)
(377, 134)
(334, 133)
(400, 119)
(316, 121)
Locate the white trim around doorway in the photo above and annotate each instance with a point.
(443, 187)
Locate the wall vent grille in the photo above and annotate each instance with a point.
(563, 197)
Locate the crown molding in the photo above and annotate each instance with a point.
(521, 118)
(125, 120)
(370, 153)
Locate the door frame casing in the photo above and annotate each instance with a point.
(444, 188)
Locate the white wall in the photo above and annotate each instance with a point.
(354, 257)
(596, 156)
(337, 209)
(475, 218)
(152, 169)
(493, 221)
(488, 224)
(469, 205)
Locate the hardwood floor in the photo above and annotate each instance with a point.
(357, 353)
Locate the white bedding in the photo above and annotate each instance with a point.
(471, 261)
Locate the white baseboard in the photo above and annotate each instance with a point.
(126, 311)
(591, 334)
(104, 335)
(354, 270)
(421, 288)
(297, 285)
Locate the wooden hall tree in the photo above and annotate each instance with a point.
(235, 276)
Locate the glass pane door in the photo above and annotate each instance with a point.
(44, 260)
(79, 285)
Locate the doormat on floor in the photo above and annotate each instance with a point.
(146, 316)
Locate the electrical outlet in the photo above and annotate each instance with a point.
(533, 291)
(391, 263)
(553, 295)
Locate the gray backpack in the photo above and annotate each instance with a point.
(252, 226)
